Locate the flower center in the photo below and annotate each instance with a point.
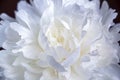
(59, 35)
(55, 36)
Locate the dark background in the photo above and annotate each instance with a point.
(9, 6)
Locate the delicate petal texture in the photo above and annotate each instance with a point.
(60, 40)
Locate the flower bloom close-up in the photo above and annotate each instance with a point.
(60, 40)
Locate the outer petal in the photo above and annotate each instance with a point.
(23, 5)
(107, 15)
(47, 17)
(4, 32)
(115, 37)
(105, 73)
(40, 5)
(2, 77)
(14, 73)
(6, 58)
(22, 31)
(30, 20)
(2, 35)
(10, 42)
(4, 16)
(115, 32)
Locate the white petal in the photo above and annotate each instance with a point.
(10, 32)
(22, 31)
(104, 7)
(48, 75)
(2, 35)
(47, 17)
(115, 28)
(43, 41)
(6, 17)
(58, 4)
(4, 24)
(32, 51)
(19, 60)
(68, 2)
(72, 58)
(61, 53)
(23, 5)
(97, 38)
(55, 64)
(40, 5)
(1, 74)
(108, 15)
(66, 25)
(6, 58)
(31, 76)
(9, 45)
(7, 32)
(32, 68)
(107, 72)
(42, 62)
(14, 73)
(85, 59)
(29, 19)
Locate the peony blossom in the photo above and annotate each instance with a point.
(60, 40)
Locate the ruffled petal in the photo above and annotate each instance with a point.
(4, 17)
(108, 15)
(22, 31)
(27, 20)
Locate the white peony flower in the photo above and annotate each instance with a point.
(60, 40)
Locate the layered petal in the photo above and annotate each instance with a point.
(60, 40)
